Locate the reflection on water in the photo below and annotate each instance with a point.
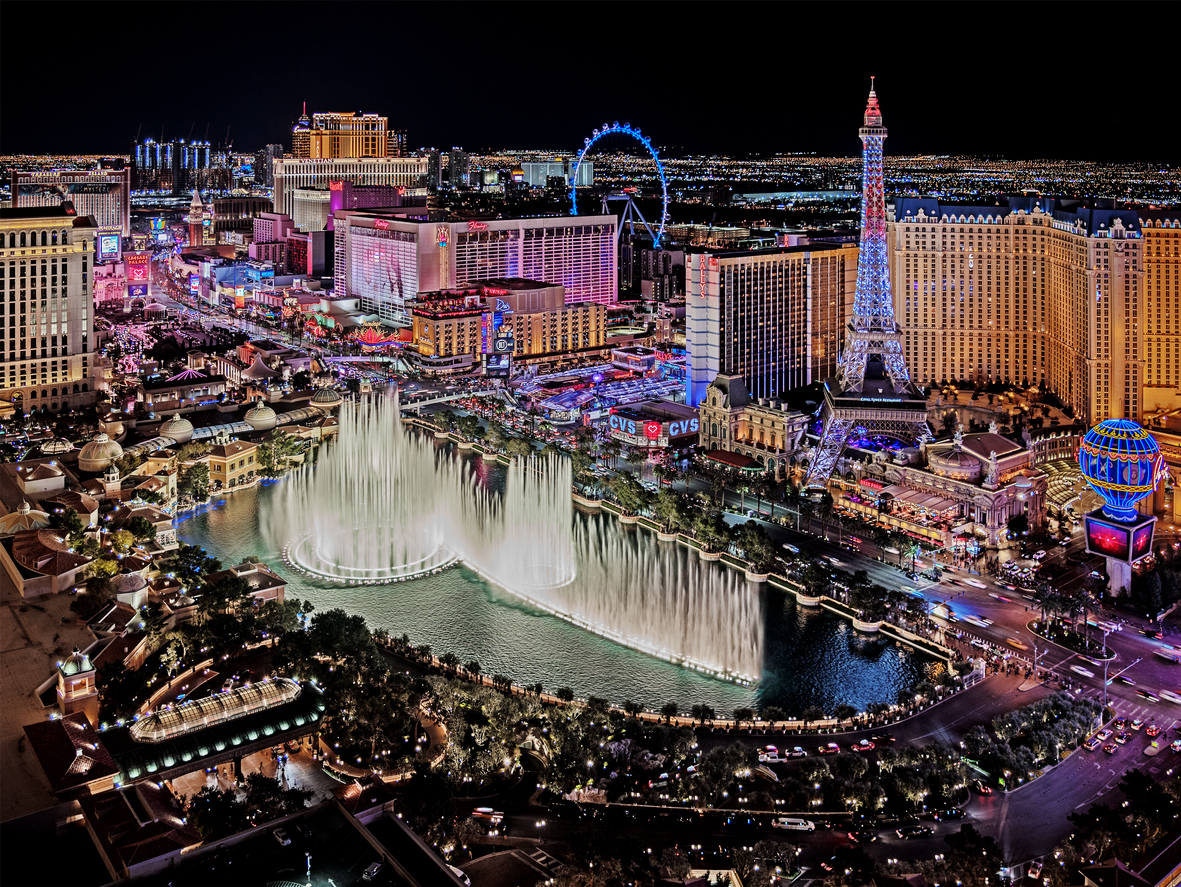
(809, 657)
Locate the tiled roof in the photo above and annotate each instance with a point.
(43, 551)
(80, 502)
(70, 751)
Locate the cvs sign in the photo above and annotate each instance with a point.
(685, 426)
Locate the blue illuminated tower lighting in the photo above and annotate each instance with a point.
(872, 391)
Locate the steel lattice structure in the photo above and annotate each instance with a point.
(874, 394)
(628, 130)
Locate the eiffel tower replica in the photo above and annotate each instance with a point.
(872, 394)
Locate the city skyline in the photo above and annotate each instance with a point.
(966, 99)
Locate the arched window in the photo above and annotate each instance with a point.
(53, 239)
(75, 388)
(53, 406)
(45, 238)
(33, 395)
(713, 429)
(55, 392)
(65, 238)
(44, 392)
(23, 239)
(12, 240)
(85, 387)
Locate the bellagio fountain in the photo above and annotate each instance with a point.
(383, 505)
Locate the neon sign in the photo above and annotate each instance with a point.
(652, 430)
(381, 223)
(336, 186)
(494, 291)
(442, 235)
(685, 426)
(477, 226)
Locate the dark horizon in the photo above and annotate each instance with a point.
(540, 87)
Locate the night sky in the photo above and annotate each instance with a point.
(696, 77)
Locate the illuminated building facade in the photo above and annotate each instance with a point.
(171, 167)
(104, 194)
(47, 316)
(761, 430)
(334, 135)
(1161, 230)
(385, 260)
(1036, 292)
(292, 174)
(531, 316)
(774, 317)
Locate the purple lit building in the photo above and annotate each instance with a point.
(346, 195)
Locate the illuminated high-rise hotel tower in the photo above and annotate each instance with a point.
(871, 398)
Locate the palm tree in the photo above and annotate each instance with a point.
(773, 713)
(632, 709)
(473, 670)
(668, 711)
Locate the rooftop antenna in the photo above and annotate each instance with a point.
(137, 131)
(191, 128)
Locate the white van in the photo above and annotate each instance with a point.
(790, 822)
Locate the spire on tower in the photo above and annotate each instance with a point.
(873, 113)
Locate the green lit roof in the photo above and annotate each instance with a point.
(137, 760)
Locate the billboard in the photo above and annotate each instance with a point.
(1120, 541)
(1141, 541)
(136, 264)
(137, 290)
(194, 284)
(1107, 538)
(108, 247)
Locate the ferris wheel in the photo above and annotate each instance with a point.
(631, 211)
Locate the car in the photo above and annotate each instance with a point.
(770, 758)
(949, 815)
(831, 749)
(982, 787)
(1092, 744)
(1095, 574)
(1111, 748)
(882, 737)
(1038, 555)
(796, 752)
(1153, 731)
(1122, 738)
(1035, 870)
(793, 823)
(1064, 542)
(1176, 745)
(863, 745)
(1136, 724)
(1121, 723)
(1124, 679)
(1020, 645)
(281, 837)
(1147, 694)
(1171, 696)
(1103, 735)
(862, 835)
(975, 583)
(1085, 672)
(1151, 632)
(372, 871)
(910, 832)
